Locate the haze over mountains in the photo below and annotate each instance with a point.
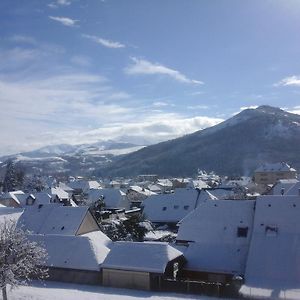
(234, 147)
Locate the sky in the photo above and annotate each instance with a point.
(80, 71)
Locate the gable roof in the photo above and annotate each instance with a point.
(170, 207)
(113, 198)
(10, 214)
(273, 260)
(84, 252)
(140, 256)
(53, 219)
(212, 228)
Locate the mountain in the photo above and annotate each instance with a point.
(70, 159)
(234, 147)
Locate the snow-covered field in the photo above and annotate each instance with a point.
(64, 291)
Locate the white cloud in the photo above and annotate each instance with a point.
(294, 110)
(151, 128)
(141, 66)
(65, 21)
(289, 81)
(58, 3)
(160, 104)
(104, 42)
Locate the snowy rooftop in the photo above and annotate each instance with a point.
(219, 232)
(85, 252)
(274, 256)
(53, 219)
(147, 256)
(170, 207)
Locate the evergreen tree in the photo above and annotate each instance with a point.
(14, 177)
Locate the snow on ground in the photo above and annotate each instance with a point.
(66, 291)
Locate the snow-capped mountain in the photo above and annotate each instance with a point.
(71, 159)
(234, 147)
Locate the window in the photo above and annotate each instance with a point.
(186, 207)
(164, 208)
(242, 232)
(176, 206)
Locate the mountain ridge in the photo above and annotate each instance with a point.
(234, 147)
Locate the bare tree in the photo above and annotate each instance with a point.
(20, 258)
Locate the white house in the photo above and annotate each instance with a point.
(216, 235)
(273, 265)
(113, 198)
(170, 208)
(140, 265)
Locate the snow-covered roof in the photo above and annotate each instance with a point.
(53, 219)
(10, 214)
(164, 182)
(65, 187)
(42, 198)
(141, 190)
(221, 193)
(113, 198)
(294, 190)
(274, 256)
(154, 188)
(213, 230)
(276, 167)
(199, 184)
(170, 207)
(17, 196)
(84, 252)
(284, 186)
(140, 256)
(60, 193)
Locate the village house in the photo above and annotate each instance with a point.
(140, 265)
(286, 187)
(215, 239)
(271, 173)
(171, 208)
(272, 268)
(75, 245)
(136, 194)
(112, 198)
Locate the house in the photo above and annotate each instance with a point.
(154, 188)
(180, 183)
(137, 194)
(13, 199)
(273, 265)
(140, 265)
(113, 198)
(170, 208)
(72, 258)
(57, 219)
(166, 185)
(82, 187)
(58, 195)
(216, 237)
(282, 186)
(270, 173)
(75, 245)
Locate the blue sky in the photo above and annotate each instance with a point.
(78, 71)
